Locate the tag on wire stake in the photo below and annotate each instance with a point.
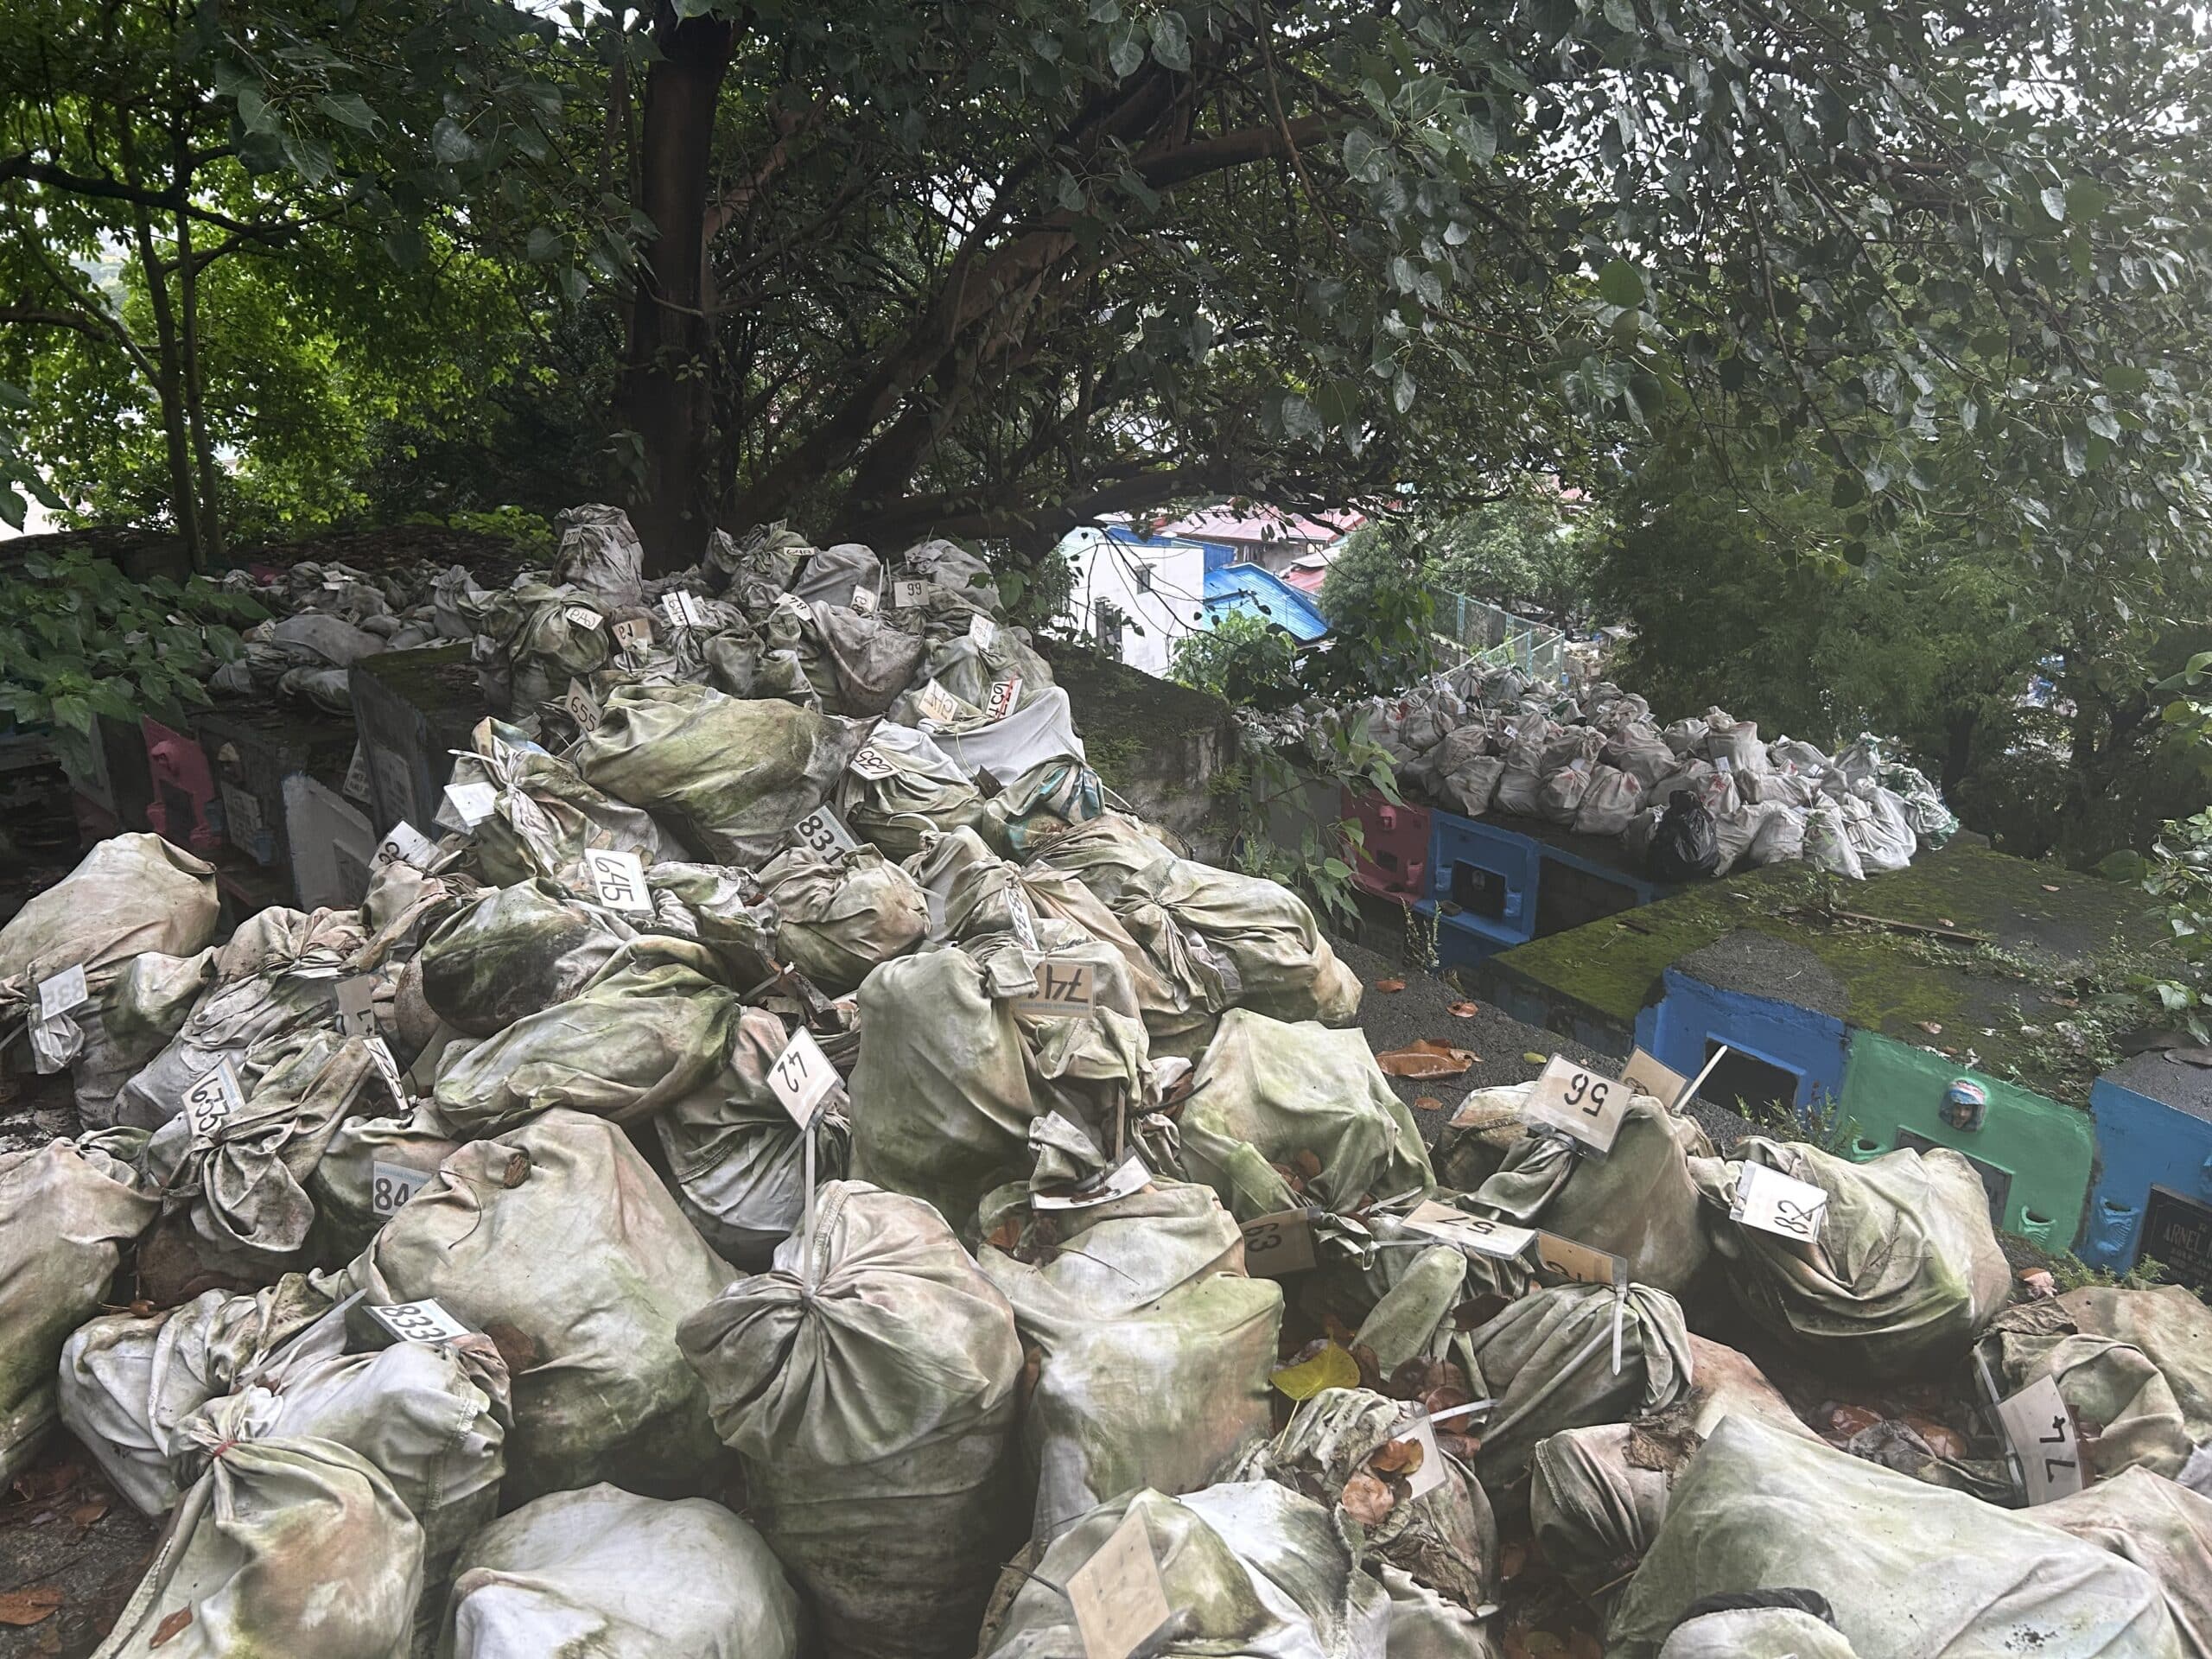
(822, 831)
(211, 1101)
(404, 845)
(864, 601)
(424, 1321)
(1119, 1600)
(1778, 1204)
(1279, 1245)
(1584, 1105)
(801, 1077)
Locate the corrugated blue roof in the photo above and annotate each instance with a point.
(1263, 593)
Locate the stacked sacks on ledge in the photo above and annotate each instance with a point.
(1482, 742)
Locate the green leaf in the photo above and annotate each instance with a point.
(350, 108)
(450, 143)
(1363, 156)
(1620, 283)
(1171, 41)
(2086, 198)
(2054, 202)
(1621, 14)
(544, 243)
(1125, 50)
(255, 111)
(1848, 492)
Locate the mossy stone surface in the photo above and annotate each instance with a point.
(2046, 925)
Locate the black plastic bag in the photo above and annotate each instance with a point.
(1686, 843)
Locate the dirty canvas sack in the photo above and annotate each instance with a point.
(865, 661)
(1639, 751)
(1445, 1538)
(1827, 844)
(941, 1092)
(830, 576)
(431, 1416)
(905, 790)
(559, 1242)
(1906, 1269)
(738, 1160)
(1041, 803)
(1561, 797)
(1523, 777)
(870, 1392)
(1614, 796)
(128, 1383)
(356, 1185)
(1268, 1096)
(2134, 1365)
(651, 1029)
(67, 1215)
(1597, 1495)
(2164, 1528)
(1467, 774)
(605, 1573)
(1637, 1202)
(1282, 967)
(1771, 1626)
(544, 815)
(1251, 1569)
(1108, 854)
(515, 950)
(1153, 1349)
(730, 777)
(1041, 729)
(143, 1006)
(1880, 829)
(599, 551)
(531, 640)
(839, 916)
(285, 1545)
(1547, 1359)
(128, 895)
(1907, 1569)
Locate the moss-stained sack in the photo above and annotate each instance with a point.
(1155, 1347)
(874, 1413)
(730, 777)
(559, 1242)
(513, 952)
(841, 915)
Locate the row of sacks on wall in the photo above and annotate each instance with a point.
(1494, 740)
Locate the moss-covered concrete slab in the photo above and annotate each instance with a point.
(1157, 745)
(1996, 1003)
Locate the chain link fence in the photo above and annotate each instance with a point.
(1481, 633)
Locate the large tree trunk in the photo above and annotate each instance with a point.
(168, 387)
(669, 391)
(195, 408)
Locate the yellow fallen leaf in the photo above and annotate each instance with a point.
(1532, 1059)
(1333, 1368)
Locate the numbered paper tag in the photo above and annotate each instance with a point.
(1430, 1475)
(1724, 765)
(618, 879)
(2041, 1430)
(393, 1184)
(584, 617)
(404, 845)
(634, 635)
(1130, 1175)
(424, 1321)
(937, 703)
(682, 610)
(822, 831)
(871, 762)
(1002, 696)
(1279, 1245)
(864, 601)
(982, 631)
(356, 786)
(1645, 1075)
(467, 805)
(582, 706)
(1779, 1204)
(210, 1102)
(1476, 1233)
(1066, 990)
(1584, 1105)
(387, 1071)
(908, 594)
(1024, 923)
(1118, 1598)
(357, 1010)
(801, 1077)
(1579, 1262)
(64, 991)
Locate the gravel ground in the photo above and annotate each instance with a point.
(1502, 1044)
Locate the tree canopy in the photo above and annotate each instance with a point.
(888, 271)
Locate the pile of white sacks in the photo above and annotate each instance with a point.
(1495, 741)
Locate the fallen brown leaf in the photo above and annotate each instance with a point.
(170, 1626)
(1944, 1440)
(1367, 1500)
(1465, 1010)
(1005, 1235)
(1427, 1103)
(1511, 1560)
(1465, 1447)
(1398, 1457)
(1424, 1058)
(1308, 1164)
(85, 1513)
(47, 1480)
(1390, 984)
(21, 1607)
(1844, 1421)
